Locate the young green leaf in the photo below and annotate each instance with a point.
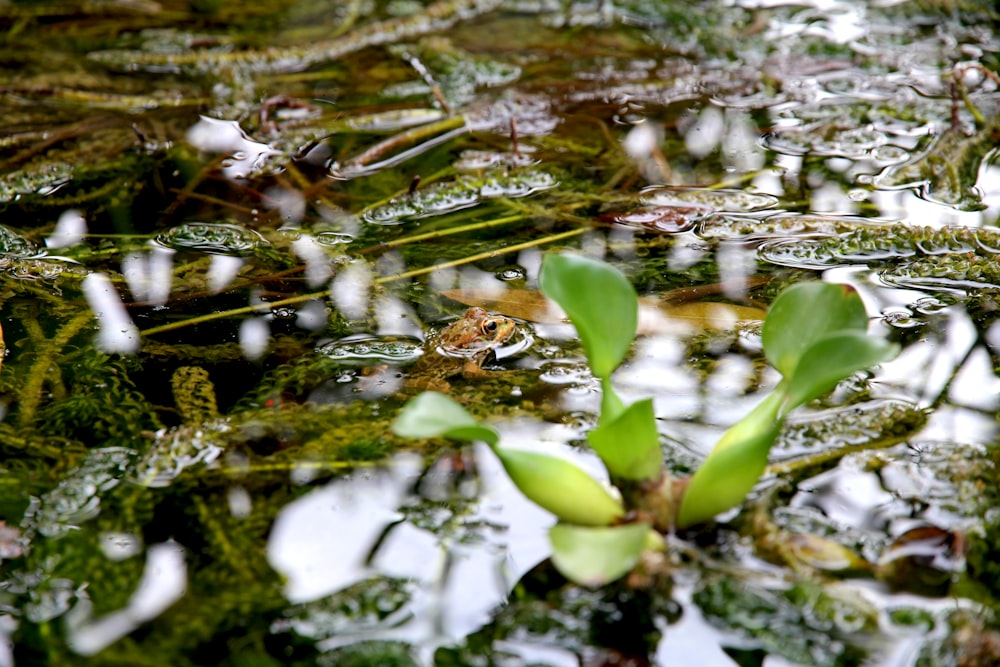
(599, 301)
(733, 466)
(829, 361)
(434, 415)
(560, 487)
(630, 444)
(805, 313)
(597, 556)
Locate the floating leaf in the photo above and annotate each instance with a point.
(923, 560)
(600, 302)
(822, 553)
(560, 487)
(882, 244)
(950, 167)
(954, 271)
(669, 218)
(722, 200)
(434, 415)
(597, 556)
(365, 349)
(691, 317)
(525, 304)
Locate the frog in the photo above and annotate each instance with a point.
(461, 348)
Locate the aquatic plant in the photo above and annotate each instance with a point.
(814, 335)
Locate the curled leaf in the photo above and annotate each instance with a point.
(629, 445)
(560, 487)
(597, 556)
(434, 415)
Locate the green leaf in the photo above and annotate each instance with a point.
(599, 301)
(560, 487)
(630, 444)
(806, 313)
(829, 361)
(434, 415)
(733, 467)
(597, 556)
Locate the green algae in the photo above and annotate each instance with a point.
(884, 244)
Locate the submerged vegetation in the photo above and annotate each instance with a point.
(232, 235)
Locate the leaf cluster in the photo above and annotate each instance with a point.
(814, 335)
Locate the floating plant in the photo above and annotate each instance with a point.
(720, 200)
(814, 335)
(882, 244)
(214, 238)
(779, 225)
(435, 17)
(365, 350)
(463, 192)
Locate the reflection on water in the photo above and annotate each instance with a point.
(390, 524)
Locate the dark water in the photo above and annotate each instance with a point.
(228, 227)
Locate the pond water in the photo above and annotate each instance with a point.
(231, 232)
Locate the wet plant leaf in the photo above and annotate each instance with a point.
(597, 556)
(733, 467)
(560, 487)
(434, 415)
(828, 361)
(806, 313)
(599, 301)
(629, 445)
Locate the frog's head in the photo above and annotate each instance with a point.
(495, 330)
(476, 333)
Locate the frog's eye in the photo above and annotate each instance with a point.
(490, 326)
